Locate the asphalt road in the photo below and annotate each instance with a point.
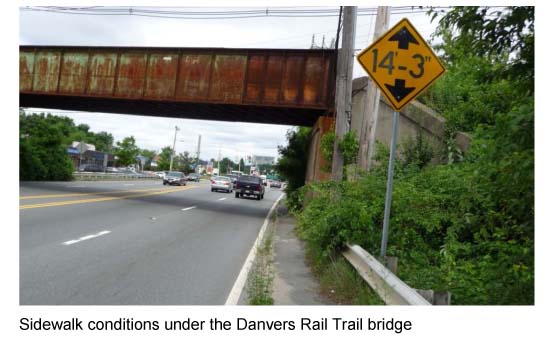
(134, 242)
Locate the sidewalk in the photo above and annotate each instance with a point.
(294, 283)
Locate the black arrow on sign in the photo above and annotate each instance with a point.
(399, 91)
(404, 37)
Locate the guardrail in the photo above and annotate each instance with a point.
(111, 176)
(391, 289)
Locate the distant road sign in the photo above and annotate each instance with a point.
(401, 64)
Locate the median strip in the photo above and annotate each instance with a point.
(84, 201)
(90, 236)
(82, 194)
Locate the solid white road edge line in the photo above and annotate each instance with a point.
(74, 241)
(239, 284)
(188, 208)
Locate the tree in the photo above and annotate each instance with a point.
(227, 165)
(241, 164)
(266, 168)
(165, 158)
(102, 140)
(501, 35)
(126, 151)
(149, 155)
(182, 162)
(83, 127)
(293, 159)
(489, 92)
(42, 152)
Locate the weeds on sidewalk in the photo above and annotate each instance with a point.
(340, 283)
(261, 276)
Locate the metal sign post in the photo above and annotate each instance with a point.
(389, 189)
(402, 65)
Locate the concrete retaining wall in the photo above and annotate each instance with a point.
(415, 118)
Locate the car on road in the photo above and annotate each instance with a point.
(112, 170)
(249, 185)
(221, 183)
(91, 168)
(130, 171)
(193, 177)
(160, 174)
(175, 178)
(275, 183)
(232, 177)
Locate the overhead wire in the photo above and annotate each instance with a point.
(204, 15)
(195, 14)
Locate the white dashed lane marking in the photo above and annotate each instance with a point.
(90, 236)
(188, 208)
(222, 199)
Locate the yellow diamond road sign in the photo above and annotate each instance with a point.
(401, 64)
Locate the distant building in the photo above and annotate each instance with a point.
(97, 158)
(81, 153)
(202, 166)
(82, 146)
(154, 162)
(74, 155)
(263, 160)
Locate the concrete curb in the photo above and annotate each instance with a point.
(237, 288)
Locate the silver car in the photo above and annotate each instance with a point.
(221, 183)
(175, 178)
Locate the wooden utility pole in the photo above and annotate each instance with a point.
(344, 78)
(372, 101)
(198, 168)
(173, 150)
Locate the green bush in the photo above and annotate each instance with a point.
(42, 152)
(292, 163)
(465, 226)
(444, 229)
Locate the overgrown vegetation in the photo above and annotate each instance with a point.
(42, 152)
(291, 164)
(260, 283)
(340, 282)
(466, 225)
(349, 148)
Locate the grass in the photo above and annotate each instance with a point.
(260, 283)
(340, 283)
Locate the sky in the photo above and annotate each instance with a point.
(47, 28)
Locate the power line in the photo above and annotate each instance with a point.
(206, 15)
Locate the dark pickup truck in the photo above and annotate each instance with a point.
(249, 185)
